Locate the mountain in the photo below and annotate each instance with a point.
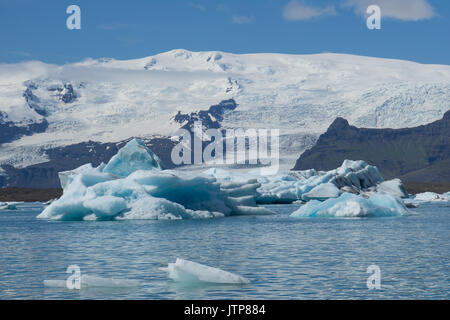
(50, 113)
(419, 154)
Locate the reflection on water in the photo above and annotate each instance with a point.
(284, 258)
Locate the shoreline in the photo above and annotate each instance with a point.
(12, 194)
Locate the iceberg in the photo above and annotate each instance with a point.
(134, 156)
(8, 205)
(432, 197)
(133, 185)
(94, 281)
(192, 272)
(350, 205)
(351, 176)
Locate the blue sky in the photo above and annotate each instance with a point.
(416, 30)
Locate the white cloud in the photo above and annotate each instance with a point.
(242, 19)
(406, 10)
(295, 10)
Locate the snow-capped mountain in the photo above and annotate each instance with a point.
(46, 106)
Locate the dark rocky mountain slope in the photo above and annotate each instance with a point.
(418, 154)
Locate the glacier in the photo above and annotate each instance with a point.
(112, 100)
(191, 272)
(351, 205)
(133, 185)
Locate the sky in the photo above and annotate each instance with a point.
(416, 30)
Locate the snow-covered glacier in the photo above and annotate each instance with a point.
(132, 185)
(111, 100)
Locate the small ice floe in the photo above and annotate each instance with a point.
(94, 282)
(192, 272)
(9, 205)
(432, 197)
(411, 205)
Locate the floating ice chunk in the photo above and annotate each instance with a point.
(350, 205)
(192, 272)
(92, 194)
(55, 283)
(431, 197)
(290, 187)
(132, 157)
(322, 192)
(393, 187)
(94, 281)
(9, 205)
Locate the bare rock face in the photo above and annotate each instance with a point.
(420, 154)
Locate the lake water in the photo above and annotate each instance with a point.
(283, 257)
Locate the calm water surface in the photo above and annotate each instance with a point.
(285, 258)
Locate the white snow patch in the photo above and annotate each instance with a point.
(302, 94)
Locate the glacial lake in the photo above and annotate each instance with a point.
(283, 257)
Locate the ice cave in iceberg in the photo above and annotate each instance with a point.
(133, 185)
(351, 205)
